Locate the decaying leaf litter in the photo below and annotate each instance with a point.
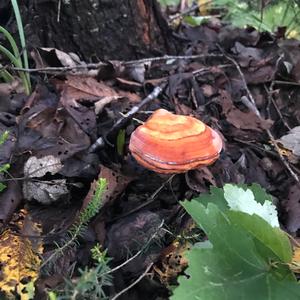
(219, 73)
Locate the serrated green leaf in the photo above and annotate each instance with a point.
(239, 199)
(260, 194)
(212, 218)
(233, 269)
(272, 238)
(216, 196)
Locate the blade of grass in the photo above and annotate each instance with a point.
(11, 41)
(17, 63)
(22, 39)
(7, 77)
(11, 57)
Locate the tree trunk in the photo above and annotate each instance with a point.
(95, 29)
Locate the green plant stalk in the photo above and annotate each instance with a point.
(285, 12)
(18, 64)
(12, 42)
(4, 73)
(85, 216)
(7, 77)
(11, 57)
(289, 25)
(22, 39)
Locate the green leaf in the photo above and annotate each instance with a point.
(121, 142)
(217, 226)
(196, 20)
(2, 186)
(259, 193)
(168, 2)
(4, 168)
(239, 199)
(234, 268)
(261, 231)
(216, 196)
(4, 137)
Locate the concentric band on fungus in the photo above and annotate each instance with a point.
(168, 143)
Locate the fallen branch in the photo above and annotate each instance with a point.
(96, 66)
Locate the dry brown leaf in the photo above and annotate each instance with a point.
(291, 140)
(52, 57)
(85, 87)
(116, 183)
(239, 119)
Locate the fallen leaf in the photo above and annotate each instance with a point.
(38, 167)
(291, 140)
(55, 58)
(10, 199)
(295, 265)
(292, 208)
(200, 179)
(19, 256)
(44, 192)
(239, 119)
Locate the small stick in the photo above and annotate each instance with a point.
(242, 77)
(93, 66)
(271, 99)
(101, 141)
(251, 106)
(133, 284)
(280, 82)
(137, 254)
(170, 57)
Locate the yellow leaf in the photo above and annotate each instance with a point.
(204, 7)
(173, 260)
(19, 256)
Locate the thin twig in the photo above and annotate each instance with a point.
(58, 11)
(93, 66)
(281, 82)
(138, 253)
(201, 71)
(251, 106)
(271, 90)
(59, 69)
(271, 99)
(171, 57)
(242, 77)
(134, 283)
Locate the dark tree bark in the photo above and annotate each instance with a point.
(95, 29)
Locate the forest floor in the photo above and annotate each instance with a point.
(243, 83)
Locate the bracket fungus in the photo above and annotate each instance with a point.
(169, 143)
